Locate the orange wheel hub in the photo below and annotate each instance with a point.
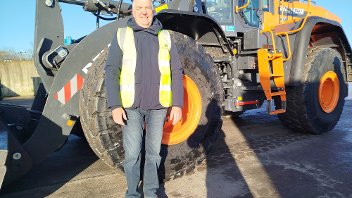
(329, 91)
(191, 113)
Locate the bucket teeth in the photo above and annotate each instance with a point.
(14, 159)
(3, 151)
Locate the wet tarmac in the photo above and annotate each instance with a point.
(255, 156)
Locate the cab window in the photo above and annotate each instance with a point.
(251, 12)
(220, 10)
(266, 5)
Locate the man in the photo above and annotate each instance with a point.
(143, 78)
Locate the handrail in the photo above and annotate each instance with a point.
(287, 36)
(302, 25)
(296, 30)
(272, 57)
(243, 7)
(289, 48)
(274, 46)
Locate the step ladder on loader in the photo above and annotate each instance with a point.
(271, 68)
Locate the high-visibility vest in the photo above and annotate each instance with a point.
(126, 42)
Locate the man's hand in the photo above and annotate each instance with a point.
(119, 115)
(175, 114)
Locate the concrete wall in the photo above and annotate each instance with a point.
(16, 78)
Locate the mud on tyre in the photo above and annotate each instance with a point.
(105, 137)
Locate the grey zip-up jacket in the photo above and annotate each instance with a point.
(147, 74)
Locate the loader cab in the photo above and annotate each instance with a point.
(266, 14)
(224, 12)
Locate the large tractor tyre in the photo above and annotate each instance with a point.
(185, 144)
(316, 105)
(201, 121)
(102, 134)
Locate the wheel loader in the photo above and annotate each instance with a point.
(237, 55)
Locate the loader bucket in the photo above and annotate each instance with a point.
(14, 160)
(3, 150)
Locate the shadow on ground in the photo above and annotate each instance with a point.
(58, 169)
(258, 157)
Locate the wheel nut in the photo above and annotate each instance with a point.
(16, 156)
(49, 3)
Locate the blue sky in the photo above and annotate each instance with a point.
(17, 21)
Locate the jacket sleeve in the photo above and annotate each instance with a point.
(112, 75)
(177, 77)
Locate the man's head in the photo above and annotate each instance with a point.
(142, 11)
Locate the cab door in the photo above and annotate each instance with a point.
(253, 13)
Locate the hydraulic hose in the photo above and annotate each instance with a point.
(99, 5)
(75, 2)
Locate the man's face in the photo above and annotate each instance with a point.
(142, 12)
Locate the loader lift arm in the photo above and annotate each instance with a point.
(59, 66)
(50, 50)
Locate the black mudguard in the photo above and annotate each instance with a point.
(200, 27)
(300, 49)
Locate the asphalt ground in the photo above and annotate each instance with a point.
(255, 156)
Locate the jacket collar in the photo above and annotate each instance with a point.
(153, 29)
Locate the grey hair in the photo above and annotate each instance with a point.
(151, 1)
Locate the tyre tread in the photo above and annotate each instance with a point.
(296, 116)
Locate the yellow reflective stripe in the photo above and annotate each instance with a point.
(166, 37)
(165, 98)
(129, 59)
(165, 93)
(127, 88)
(165, 71)
(121, 32)
(164, 63)
(165, 88)
(127, 78)
(165, 80)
